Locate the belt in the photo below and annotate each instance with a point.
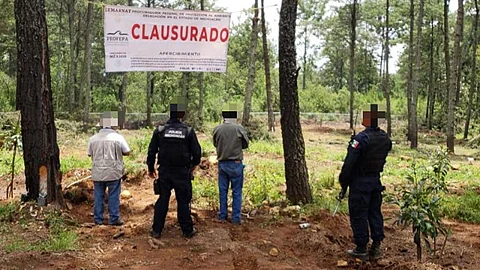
(231, 160)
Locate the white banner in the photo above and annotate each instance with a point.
(150, 39)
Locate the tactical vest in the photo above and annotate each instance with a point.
(374, 156)
(174, 148)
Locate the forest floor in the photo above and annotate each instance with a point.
(268, 239)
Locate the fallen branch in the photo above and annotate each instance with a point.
(119, 234)
(77, 182)
(152, 245)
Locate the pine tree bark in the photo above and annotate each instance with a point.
(87, 63)
(73, 54)
(251, 67)
(410, 69)
(185, 85)
(34, 100)
(123, 99)
(415, 79)
(430, 97)
(149, 99)
(201, 85)
(351, 77)
(453, 78)
(268, 80)
(296, 173)
(446, 47)
(149, 90)
(123, 91)
(387, 74)
(305, 48)
(473, 73)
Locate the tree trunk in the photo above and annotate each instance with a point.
(149, 91)
(305, 47)
(410, 69)
(201, 85)
(430, 77)
(185, 85)
(149, 99)
(387, 74)
(268, 80)
(351, 77)
(446, 47)
(34, 100)
(123, 98)
(251, 67)
(73, 55)
(382, 55)
(87, 63)
(415, 79)
(123, 92)
(473, 73)
(296, 173)
(453, 79)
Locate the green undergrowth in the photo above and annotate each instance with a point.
(6, 158)
(464, 207)
(20, 233)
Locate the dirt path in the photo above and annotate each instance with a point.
(253, 245)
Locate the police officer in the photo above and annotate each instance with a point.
(366, 156)
(178, 153)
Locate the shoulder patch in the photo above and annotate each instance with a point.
(354, 144)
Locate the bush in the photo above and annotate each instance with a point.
(420, 201)
(257, 130)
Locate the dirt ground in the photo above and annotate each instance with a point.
(261, 242)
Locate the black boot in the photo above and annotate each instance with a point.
(359, 252)
(375, 252)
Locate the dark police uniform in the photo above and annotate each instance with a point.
(366, 156)
(178, 152)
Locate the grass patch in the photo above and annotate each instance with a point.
(207, 147)
(265, 181)
(325, 201)
(7, 211)
(6, 162)
(61, 241)
(57, 237)
(205, 193)
(17, 245)
(72, 162)
(464, 207)
(266, 147)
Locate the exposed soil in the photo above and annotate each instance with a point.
(227, 246)
(261, 242)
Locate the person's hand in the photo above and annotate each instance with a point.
(152, 175)
(342, 193)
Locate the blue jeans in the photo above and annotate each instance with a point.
(230, 172)
(114, 189)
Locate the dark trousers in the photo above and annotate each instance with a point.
(179, 181)
(364, 204)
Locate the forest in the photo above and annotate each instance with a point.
(301, 79)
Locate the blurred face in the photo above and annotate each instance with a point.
(366, 122)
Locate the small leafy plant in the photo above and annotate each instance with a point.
(420, 202)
